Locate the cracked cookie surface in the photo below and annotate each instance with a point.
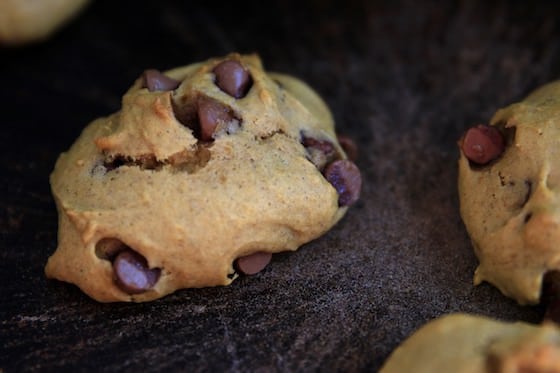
(201, 175)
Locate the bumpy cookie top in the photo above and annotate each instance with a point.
(509, 193)
(473, 344)
(203, 165)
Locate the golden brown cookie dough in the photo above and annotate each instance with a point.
(24, 21)
(472, 344)
(210, 163)
(511, 204)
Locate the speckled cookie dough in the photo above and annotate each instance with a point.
(205, 172)
(473, 344)
(509, 180)
(25, 21)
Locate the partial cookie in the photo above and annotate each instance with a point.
(205, 172)
(472, 344)
(24, 21)
(509, 179)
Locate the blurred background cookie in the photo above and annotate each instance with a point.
(508, 190)
(25, 21)
(473, 344)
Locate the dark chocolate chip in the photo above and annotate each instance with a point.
(345, 177)
(108, 248)
(349, 146)
(154, 80)
(482, 144)
(233, 78)
(320, 152)
(132, 273)
(253, 263)
(325, 146)
(211, 114)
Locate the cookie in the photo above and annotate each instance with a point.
(466, 343)
(204, 173)
(508, 185)
(24, 21)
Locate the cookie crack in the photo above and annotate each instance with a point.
(187, 161)
(270, 135)
(145, 162)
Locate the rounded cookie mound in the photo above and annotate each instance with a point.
(205, 172)
(467, 343)
(509, 184)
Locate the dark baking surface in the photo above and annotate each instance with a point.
(404, 79)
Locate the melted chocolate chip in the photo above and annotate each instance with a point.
(233, 78)
(132, 274)
(345, 177)
(482, 144)
(207, 117)
(212, 114)
(320, 152)
(253, 263)
(154, 80)
(325, 146)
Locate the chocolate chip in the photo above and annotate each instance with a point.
(233, 78)
(132, 273)
(154, 80)
(211, 115)
(253, 263)
(325, 146)
(482, 144)
(349, 146)
(108, 248)
(320, 152)
(345, 177)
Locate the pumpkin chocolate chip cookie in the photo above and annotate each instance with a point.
(475, 344)
(25, 21)
(509, 190)
(204, 173)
